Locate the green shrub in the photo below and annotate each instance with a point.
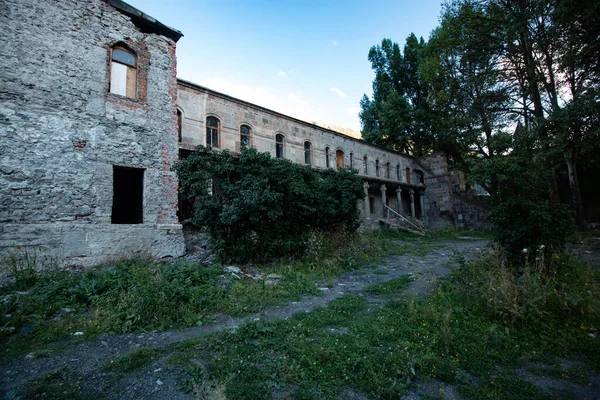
(559, 288)
(260, 208)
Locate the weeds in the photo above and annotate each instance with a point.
(450, 335)
(134, 296)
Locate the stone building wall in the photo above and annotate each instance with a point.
(62, 133)
(196, 103)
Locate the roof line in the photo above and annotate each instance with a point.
(197, 86)
(144, 21)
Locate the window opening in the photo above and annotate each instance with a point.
(128, 196)
(408, 175)
(387, 170)
(372, 205)
(377, 168)
(351, 160)
(123, 73)
(326, 157)
(279, 143)
(212, 132)
(339, 159)
(179, 126)
(307, 153)
(366, 165)
(398, 172)
(245, 136)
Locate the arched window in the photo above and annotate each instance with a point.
(307, 153)
(351, 160)
(387, 170)
(179, 125)
(213, 127)
(366, 165)
(408, 175)
(339, 159)
(279, 143)
(245, 136)
(377, 168)
(326, 157)
(398, 177)
(123, 72)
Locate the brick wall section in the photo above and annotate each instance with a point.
(61, 133)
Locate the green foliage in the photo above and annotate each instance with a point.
(135, 295)
(523, 216)
(554, 290)
(27, 265)
(452, 335)
(260, 208)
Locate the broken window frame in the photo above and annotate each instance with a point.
(129, 89)
(245, 132)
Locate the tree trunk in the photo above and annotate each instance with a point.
(575, 193)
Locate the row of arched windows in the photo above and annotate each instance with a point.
(213, 131)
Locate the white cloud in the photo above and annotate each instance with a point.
(282, 74)
(334, 43)
(338, 91)
(293, 97)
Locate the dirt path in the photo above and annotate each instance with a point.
(160, 381)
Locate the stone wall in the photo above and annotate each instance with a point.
(196, 103)
(62, 133)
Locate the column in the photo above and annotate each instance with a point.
(412, 202)
(366, 189)
(399, 200)
(383, 198)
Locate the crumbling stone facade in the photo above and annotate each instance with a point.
(92, 118)
(64, 137)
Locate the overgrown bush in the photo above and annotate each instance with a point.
(524, 214)
(260, 208)
(559, 288)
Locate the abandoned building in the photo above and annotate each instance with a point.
(92, 118)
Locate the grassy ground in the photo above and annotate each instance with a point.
(46, 304)
(478, 332)
(450, 336)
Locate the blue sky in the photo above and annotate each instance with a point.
(306, 59)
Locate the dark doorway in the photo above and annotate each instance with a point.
(128, 195)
